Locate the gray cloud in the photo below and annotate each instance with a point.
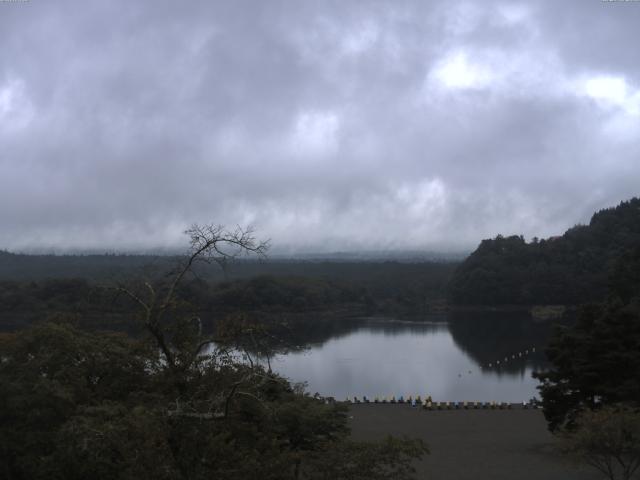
(327, 125)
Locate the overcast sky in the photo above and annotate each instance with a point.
(328, 125)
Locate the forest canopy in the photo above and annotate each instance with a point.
(571, 269)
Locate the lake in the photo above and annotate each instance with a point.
(470, 356)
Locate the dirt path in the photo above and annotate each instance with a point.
(472, 444)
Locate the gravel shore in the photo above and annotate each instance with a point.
(472, 444)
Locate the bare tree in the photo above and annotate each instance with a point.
(207, 243)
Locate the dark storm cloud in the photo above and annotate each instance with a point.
(327, 125)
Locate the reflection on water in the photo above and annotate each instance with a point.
(449, 361)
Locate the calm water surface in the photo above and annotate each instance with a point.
(447, 360)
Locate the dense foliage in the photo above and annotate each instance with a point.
(176, 402)
(79, 405)
(108, 266)
(393, 288)
(389, 287)
(263, 292)
(597, 361)
(571, 269)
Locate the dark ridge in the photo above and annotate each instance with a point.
(570, 269)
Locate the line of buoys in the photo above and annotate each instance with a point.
(410, 400)
(507, 358)
(427, 403)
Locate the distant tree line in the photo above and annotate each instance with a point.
(369, 288)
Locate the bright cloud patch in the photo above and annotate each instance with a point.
(612, 91)
(513, 14)
(15, 107)
(457, 71)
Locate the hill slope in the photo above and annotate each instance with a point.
(570, 269)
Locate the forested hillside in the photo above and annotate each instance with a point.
(572, 269)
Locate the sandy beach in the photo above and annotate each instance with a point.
(472, 444)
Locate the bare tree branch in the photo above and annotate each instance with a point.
(205, 242)
(135, 298)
